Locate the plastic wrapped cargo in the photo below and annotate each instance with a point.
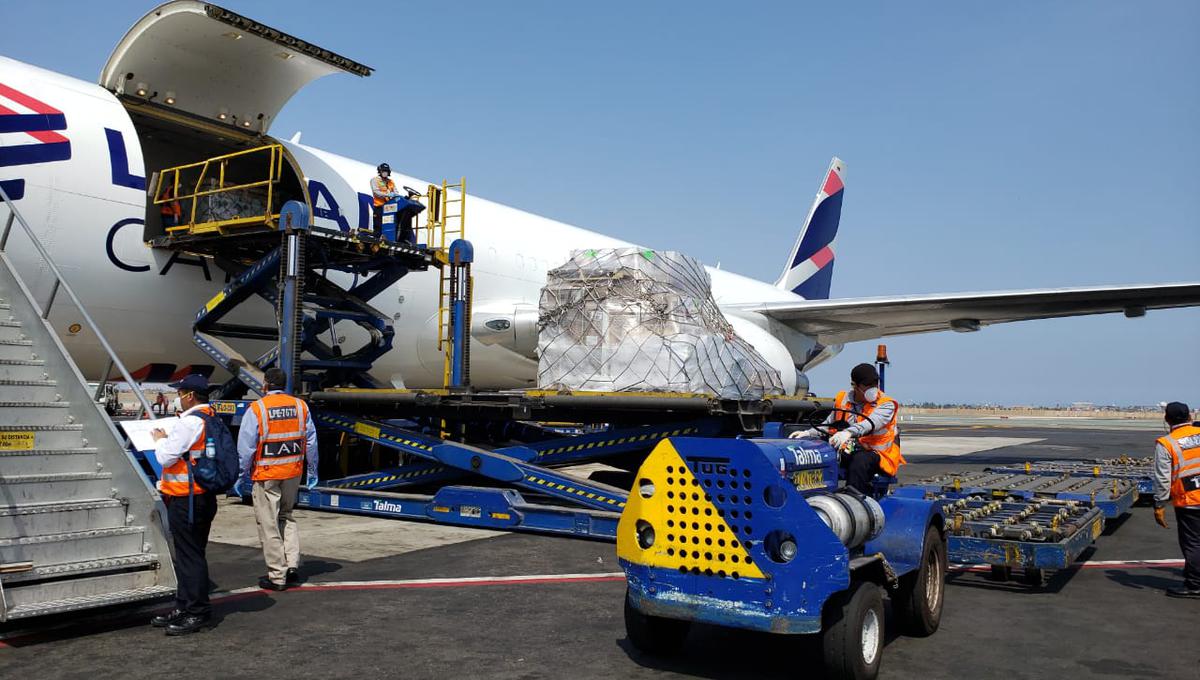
(634, 320)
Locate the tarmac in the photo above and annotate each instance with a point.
(390, 599)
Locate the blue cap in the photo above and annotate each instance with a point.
(192, 383)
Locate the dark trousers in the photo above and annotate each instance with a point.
(191, 540)
(1188, 521)
(861, 469)
(377, 219)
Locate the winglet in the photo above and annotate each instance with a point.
(809, 269)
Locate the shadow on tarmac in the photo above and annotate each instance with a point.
(717, 652)
(312, 567)
(68, 626)
(1143, 581)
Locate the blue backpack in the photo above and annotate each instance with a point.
(217, 470)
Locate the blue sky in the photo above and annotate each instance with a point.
(988, 145)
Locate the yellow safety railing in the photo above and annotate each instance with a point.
(442, 227)
(215, 169)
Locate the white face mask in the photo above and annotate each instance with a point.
(871, 393)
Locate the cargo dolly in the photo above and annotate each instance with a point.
(1035, 536)
(1125, 468)
(1113, 497)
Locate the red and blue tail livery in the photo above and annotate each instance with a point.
(810, 268)
(28, 126)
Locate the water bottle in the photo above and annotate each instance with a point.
(210, 449)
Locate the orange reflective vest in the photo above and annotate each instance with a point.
(1184, 445)
(882, 441)
(171, 207)
(174, 480)
(380, 185)
(282, 440)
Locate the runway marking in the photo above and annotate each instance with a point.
(463, 582)
(1098, 564)
(915, 446)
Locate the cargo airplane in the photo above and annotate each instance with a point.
(192, 81)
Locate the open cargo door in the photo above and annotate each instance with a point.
(209, 62)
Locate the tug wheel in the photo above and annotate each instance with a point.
(918, 603)
(653, 634)
(853, 633)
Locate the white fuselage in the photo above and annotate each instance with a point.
(89, 217)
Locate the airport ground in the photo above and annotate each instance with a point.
(388, 599)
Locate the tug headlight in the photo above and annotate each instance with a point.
(645, 534)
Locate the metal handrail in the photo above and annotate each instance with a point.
(274, 173)
(61, 282)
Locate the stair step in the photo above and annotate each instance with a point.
(67, 569)
(41, 436)
(23, 369)
(54, 488)
(16, 349)
(74, 594)
(35, 412)
(74, 546)
(36, 519)
(29, 390)
(48, 461)
(11, 330)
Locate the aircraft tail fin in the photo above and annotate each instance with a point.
(809, 269)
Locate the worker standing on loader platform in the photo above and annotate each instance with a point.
(171, 211)
(872, 416)
(189, 534)
(382, 189)
(1177, 478)
(277, 434)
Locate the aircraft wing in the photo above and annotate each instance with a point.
(853, 319)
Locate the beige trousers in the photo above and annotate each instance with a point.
(273, 503)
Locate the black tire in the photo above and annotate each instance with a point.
(853, 633)
(1000, 573)
(1033, 577)
(654, 634)
(918, 602)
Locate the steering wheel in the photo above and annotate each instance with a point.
(412, 193)
(815, 420)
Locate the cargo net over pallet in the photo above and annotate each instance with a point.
(634, 320)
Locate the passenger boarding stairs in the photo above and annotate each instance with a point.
(80, 527)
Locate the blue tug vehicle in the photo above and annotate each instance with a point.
(757, 534)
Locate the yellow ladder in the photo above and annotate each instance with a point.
(443, 227)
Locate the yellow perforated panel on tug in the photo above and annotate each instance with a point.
(691, 534)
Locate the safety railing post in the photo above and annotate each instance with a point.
(50, 301)
(103, 380)
(7, 229)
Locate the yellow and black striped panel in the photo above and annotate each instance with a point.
(555, 485)
(628, 439)
(691, 535)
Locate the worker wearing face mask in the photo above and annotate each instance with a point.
(1177, 480)
(872, 416)
(382, 189)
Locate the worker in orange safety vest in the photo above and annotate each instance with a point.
(189, 534)
(1177, 479)
(171, 211)
(277, 445)
(871, 416)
